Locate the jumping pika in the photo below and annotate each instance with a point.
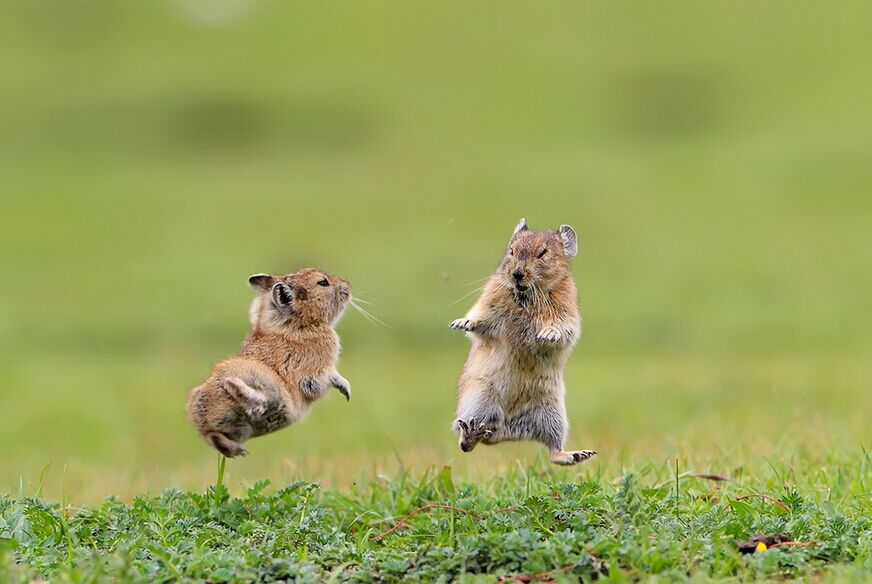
(286, 362)
(522, 328)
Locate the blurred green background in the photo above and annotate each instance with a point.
(714, 158)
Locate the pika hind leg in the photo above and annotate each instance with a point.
(555, 438)
(478, 419)
(546, 424)
(252, 401)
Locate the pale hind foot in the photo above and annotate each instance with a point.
(472, 432)
(224, 445)
(570, 457)
(251, 400)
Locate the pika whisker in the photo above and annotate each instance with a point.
(362, 301)
(363, 314)
(477, 281)
(467, 295)
(367, 315)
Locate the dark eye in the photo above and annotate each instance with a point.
(542, 253)
(511, 252)
(324, 282)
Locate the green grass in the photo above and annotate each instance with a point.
(714, 161)
(713, 158)
(652, 521)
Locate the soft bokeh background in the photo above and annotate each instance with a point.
(715, 159)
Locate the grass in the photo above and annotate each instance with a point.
(529, 524)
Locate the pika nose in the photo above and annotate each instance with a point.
(518, 275)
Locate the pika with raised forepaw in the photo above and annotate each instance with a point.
(522, 328)
(286, 363)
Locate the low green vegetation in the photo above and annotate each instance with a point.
(714, 159)
(523, 526)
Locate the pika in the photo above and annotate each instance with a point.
(522, 328)
(285, 364)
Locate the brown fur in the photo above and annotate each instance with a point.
(285, 364)
(522, 328)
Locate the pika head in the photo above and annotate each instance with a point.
(536, 260)
(305, 298)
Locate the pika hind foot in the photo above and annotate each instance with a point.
(472, 432)
(224, 445)
(251, 400)
(569, 458)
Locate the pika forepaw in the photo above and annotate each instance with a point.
(462, 324)
(343, 386)
(549, 334)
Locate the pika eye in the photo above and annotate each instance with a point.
(542, 253)
(323, 282)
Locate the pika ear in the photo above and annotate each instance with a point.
(282, 295)
(521, 226)
(570, 241)
(261, 282)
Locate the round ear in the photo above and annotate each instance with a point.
(570, 241)
(261, 282)
(282, 295)
(521, 226)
